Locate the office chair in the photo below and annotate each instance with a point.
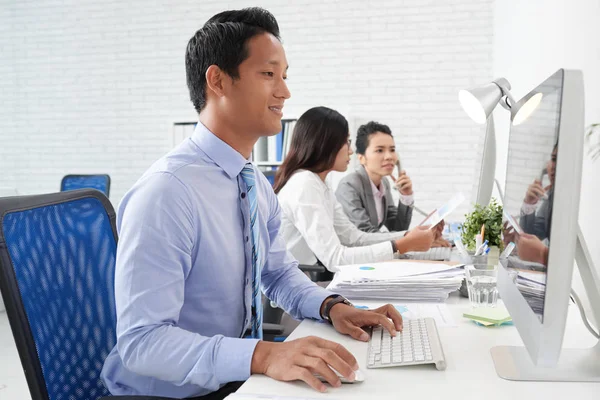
(274, 314)
(57, 265)
(98, 182)
(6, 191)
(317, 272)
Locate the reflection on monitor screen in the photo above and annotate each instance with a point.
(531, 170)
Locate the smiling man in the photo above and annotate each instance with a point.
(199, 238)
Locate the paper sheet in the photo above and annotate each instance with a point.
(537, 277)
(398, 281)
(444, 211)
(238, 396)
(389, 270)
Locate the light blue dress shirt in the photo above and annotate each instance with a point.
(183, 273)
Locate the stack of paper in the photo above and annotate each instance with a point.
(532, 286)
(404, 281)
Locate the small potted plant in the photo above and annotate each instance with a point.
(490, 217)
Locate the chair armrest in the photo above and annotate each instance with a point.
(312, 268)
(269, 331)
(273, 329)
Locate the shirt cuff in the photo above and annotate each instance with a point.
(233, 359)
(311, 306)
(527, 208)
(407, 200)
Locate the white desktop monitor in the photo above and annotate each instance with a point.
(550, 141)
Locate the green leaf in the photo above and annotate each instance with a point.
(491, 217)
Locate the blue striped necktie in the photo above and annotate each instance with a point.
(249, 180)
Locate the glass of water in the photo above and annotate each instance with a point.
(482, 284)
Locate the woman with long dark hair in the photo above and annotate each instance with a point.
(313, 223)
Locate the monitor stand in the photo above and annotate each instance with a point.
(574, 365)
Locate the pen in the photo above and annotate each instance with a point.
(459, 245)
(509, 248)
(480, 248)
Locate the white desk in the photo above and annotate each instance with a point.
(470, 372)
(12, 378)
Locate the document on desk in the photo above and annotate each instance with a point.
(244, 396)
(390, 271)
(444, 211)
(538, 278)
(532, 285)
(438, 311)
(400, 281)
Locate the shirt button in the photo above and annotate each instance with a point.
(247, 280)
(246, 238)
(243, 195)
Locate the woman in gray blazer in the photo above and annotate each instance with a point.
(365, 194)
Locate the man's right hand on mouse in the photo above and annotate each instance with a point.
(301, 359)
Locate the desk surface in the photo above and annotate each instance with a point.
(12, 378)
(469, 374)
(470, 371)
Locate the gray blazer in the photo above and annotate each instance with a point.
(356, 197)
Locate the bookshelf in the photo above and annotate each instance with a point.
(270, 151)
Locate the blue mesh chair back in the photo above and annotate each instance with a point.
(74, 182)
(57, 260)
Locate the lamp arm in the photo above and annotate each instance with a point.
(507, 101)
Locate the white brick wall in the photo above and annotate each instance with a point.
(94, 86)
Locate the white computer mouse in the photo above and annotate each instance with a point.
(359, 376)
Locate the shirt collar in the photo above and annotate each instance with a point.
(376, 190)
(217, 150)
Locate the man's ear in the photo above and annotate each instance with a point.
(215, 80)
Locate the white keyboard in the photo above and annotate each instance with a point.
(433, 254)
(418, 343)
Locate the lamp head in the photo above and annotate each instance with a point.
(525, 107)
(479, 102)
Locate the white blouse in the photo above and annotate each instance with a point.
(315, 227)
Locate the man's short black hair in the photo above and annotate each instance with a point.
(365, 131)
(223, 41)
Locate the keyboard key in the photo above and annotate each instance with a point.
(386, 358)
(376, 340)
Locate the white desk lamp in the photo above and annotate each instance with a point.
(478, 103)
